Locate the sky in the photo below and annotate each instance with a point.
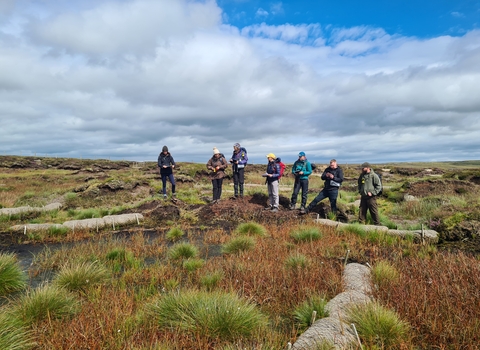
(372, 80)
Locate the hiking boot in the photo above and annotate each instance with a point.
(164, 196)
(274, 209)
(304, 211)
(292, 207)
(268, 208)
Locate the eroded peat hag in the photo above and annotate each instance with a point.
(272, 263)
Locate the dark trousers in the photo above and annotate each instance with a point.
(164, 182)
(300, 184)
(238, 180)
(331, 194)
(217, 188)
(369, 203)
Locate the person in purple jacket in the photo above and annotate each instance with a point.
(239, 161)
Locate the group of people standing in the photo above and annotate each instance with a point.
(369, 183)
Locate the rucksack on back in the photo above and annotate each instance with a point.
(282, 167)
(381, 183)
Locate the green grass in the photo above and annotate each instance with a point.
(13, 335)
(182, 251)
(45, 302)
(81, 277)
(251, 229)
(88, 214)
(12, 278)
(211, 315)
(122, 258)
(238, 244)
(378, 326)
(296, 261)
(384, 273)
(211, 280)
(303, 312)
(308, 234)
(174, 234)
(57, 231)
(355, 228)
(192, 265)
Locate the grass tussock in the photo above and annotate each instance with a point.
(384, 273)
(214, 315)
(304, 313)
(192, 265)
(379, 326)
(174, 234)
(82, 276)
(12, 278)
(211, 280)
(238, 244)
(182, 251)
(13, 335)
(307, 234)
(296, 261)
(251, 229)
(45, 302)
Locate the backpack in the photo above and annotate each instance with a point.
(243, 154)
(381, 183)
(282, 167)
(314, 166)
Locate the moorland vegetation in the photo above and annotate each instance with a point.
(192, 272)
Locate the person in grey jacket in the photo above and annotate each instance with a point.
(166, 165)
(369, 186)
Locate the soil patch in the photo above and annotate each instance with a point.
(435, 187)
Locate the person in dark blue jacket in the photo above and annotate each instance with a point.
(239, 161)
(301, 169)
(166, 165)
(333, 177)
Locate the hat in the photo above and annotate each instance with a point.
(215, 150)
(237, 145)
(301, 154)
(165, 149)
(271, 155)
(366, 165)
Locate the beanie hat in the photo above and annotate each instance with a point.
(271, 155)
(236, 145)
(301, 154)
(366, 165)
(215, 150)
(165, 149)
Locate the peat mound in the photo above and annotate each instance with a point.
(436, 187)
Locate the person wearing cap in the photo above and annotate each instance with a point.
(166, 165)
(272, 175)
(369, 186)
(239, 161)
(217, 165)
(333, 177)
(301, 170)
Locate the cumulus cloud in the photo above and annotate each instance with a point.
(121, 79)
(261, 13)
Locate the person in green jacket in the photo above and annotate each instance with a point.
(369, 186)
(301, 169)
